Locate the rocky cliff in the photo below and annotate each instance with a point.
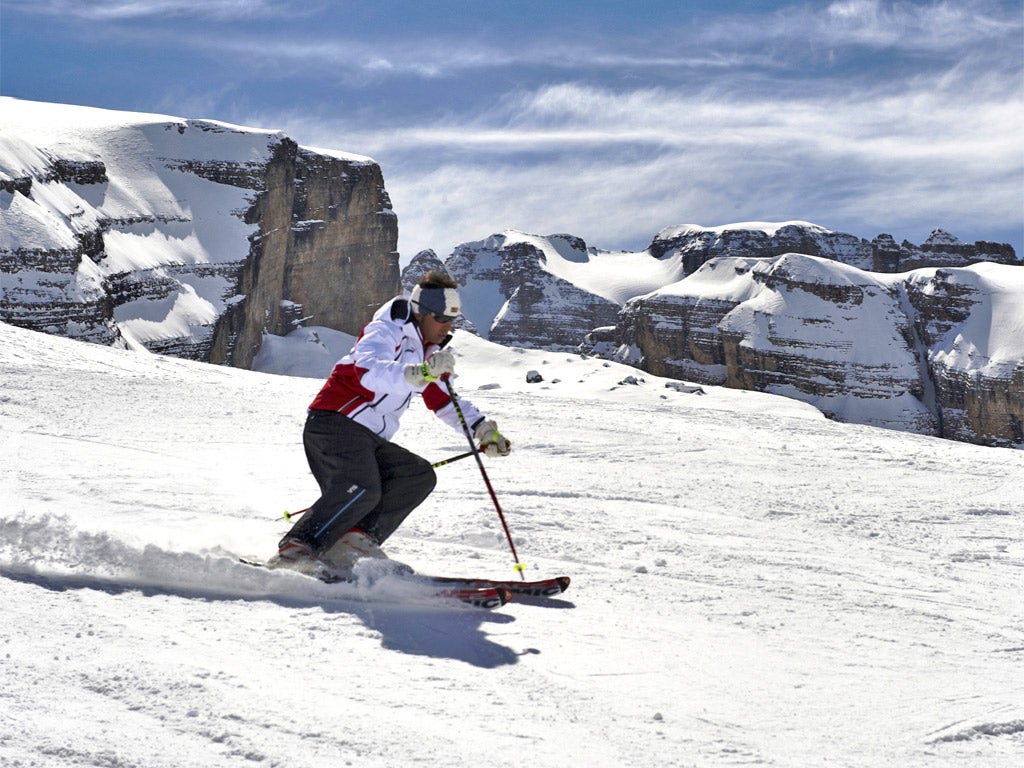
(549, 292)
(868, 331)
(552, 291)
(970, 324)
(188, 237)
(934, 351)
(697, 245)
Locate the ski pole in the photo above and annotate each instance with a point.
(519, 567)
(441, 463)
(289, 516)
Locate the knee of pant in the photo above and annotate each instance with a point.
(373, 497)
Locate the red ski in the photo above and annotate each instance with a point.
(486, 596)
(540, 588)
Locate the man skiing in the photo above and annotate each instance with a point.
(368, 484)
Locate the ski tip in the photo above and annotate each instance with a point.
(544, 588)
(487, 598)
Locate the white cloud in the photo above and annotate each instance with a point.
(939, 119)
(857, 114)
(615, 167)
(873, 24)
(934, 26)
(120, 10)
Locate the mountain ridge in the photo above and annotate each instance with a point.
(200, 239)
(183, 236)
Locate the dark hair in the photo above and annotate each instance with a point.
(436, 277)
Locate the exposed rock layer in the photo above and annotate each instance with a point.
(919, 352)
(324, 253)
(187, 237)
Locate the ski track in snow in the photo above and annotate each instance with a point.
(752, 584)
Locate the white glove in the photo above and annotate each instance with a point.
(492, 442)
(420, 374)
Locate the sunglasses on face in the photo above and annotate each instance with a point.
(444, 318)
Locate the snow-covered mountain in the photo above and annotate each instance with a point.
(933, 351)
(551, 291)
(938, 350)
(698, 245)
(208, 241)
(752, 583)
(548, 292)
(191, 237)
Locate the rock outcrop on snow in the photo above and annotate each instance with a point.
(549, 292)
(941, 249)
(698, 245)
(862, 345)
(934, 351)
(970, 323)
(552, 291)
(187, 237)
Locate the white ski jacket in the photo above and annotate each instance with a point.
(368, 385)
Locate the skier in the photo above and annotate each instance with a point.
(369, 484)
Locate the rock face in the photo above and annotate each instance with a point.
(941, 249)
(698, 245)
(552, 291)
(185, 237)
(324, 253)
(971, 323)
(512, 295)
(935, 351)
(422, 262)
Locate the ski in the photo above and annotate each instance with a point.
(486, 596)
(539, 588)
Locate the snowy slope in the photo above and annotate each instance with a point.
(752, 582)
(154, 216)
(988, 342)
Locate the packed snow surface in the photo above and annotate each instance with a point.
(752, 583)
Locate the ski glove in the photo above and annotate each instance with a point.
(492, 442)
(420, 374)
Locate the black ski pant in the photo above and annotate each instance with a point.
(365, 481)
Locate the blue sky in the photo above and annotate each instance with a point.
(606, 120)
